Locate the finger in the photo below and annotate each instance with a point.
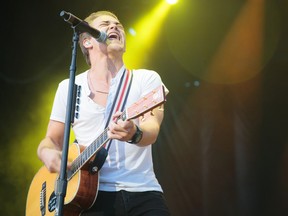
(116, 116)
(69, 165)
(112, 135)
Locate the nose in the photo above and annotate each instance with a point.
(113, 26)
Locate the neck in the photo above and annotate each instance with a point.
(106, 68)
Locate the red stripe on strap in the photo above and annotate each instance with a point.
(123, 90)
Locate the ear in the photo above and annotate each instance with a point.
(87, 43)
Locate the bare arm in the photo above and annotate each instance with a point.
(50, 148)
(149, 124)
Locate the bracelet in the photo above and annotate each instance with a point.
(137, 136)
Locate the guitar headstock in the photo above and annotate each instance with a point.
(147, 103)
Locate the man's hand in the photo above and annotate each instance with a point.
(121, 130)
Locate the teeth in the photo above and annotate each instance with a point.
(113, 36)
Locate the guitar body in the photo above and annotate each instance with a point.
(81, 191)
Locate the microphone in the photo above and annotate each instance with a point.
(81, 26)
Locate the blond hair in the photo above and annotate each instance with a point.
(84, 35)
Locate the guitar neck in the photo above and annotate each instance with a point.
(90, 150)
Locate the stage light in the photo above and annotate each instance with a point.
(171, 1)
(132, 31)
(147, 28)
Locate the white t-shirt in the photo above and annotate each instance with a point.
(127, 166)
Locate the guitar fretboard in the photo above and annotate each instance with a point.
(90, 151)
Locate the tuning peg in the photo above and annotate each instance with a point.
(161, 108)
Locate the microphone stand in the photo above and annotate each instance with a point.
(61, 185)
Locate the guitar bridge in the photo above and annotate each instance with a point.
(43, 199)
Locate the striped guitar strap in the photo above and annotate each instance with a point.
(118, 105)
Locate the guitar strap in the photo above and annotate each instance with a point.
(118, 105)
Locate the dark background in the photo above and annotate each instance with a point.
(222, 149)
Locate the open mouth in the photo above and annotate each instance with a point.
(113, 36)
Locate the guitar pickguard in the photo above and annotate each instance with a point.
(52, 202)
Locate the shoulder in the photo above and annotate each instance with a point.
(145, 73)
(145, 80)
(146, 77)
(81, 79)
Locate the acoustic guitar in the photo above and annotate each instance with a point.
(82, 185)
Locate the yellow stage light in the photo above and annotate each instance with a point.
(142, 38)
(171, 1)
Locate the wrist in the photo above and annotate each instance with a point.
(136, 138)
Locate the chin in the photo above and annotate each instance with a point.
(116, 47)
